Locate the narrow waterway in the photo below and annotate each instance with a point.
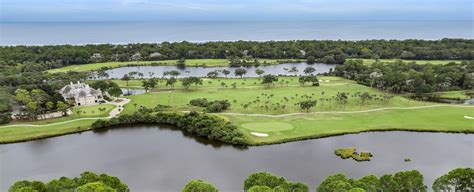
(157, 71)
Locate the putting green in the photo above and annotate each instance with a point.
(268, 126)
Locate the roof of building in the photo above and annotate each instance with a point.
(79, 90)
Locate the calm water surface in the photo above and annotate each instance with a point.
(198, 31)
(280, 69)
(150, 158)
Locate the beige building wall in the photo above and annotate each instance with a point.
(90, 100)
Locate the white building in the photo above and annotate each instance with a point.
(81, 94)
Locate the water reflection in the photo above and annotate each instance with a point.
(157, 158)
(157, 71)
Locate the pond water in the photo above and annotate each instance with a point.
(280, 69)
(154, 158)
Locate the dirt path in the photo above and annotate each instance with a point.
(112, 113)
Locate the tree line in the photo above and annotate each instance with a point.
(199, 124)
(409, 77)
(86, 182)
(41, 58)
(460, 179)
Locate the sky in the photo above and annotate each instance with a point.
(246, 10)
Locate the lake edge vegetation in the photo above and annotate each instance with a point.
(459, 179)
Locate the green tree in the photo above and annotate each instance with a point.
(171, 81)
(460, 179)
(263, 179)
(370, 183)
(27, 186)
(240, 72)
(269, 79)
(409, 181)
(293, 70)
(181, 63)
(308, 79)
(335, 183)
(225, 72)
(309, 70)
(95, 187)
(307, 105)
(199, 186)
(310, 60)
(257, 188)
(357, 190)
(126, 78)
(148, 84)
(62, 107)
(188, 81)
(49, 105)
(259, 72)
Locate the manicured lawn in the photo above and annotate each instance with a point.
(189, 62)
(240, 83)
(447, 119)
(267, 126)
(454, 95)
(49, 128)
(328, 118)
(260, 96)
(24, 133)
(93, 111)
(434, 62)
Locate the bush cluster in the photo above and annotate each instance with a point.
(202, 125)
(87, 181)
(211, 106)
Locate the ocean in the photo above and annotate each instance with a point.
(47, 33)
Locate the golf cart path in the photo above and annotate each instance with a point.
(345, 112)
(115, 111)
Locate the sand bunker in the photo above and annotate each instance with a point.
(259, 134)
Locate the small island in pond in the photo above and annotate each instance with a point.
(345, 153)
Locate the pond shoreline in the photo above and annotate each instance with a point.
(289, 140)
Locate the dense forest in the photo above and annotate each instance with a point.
(324, 51)
(403, 77)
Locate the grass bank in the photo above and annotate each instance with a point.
(434, 62)
(17, 131)
(438, 119)
(189, 63)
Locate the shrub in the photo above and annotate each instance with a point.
(213, 106)
(199, 186)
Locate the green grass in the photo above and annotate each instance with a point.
(444, 119)
(248, 92)
(434, 62)
(267, 126)
(326, 121)
(459, 95)
(24, 133)
(189, 62)
(93, 111)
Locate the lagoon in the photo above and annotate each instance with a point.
(158, 158)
